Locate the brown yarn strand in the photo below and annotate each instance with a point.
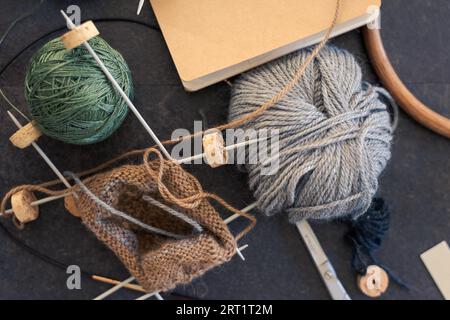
(190, 202)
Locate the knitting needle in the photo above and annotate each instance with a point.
(141, 4)
(49, 163)
(42, 153)
(114, 289)
(227, 148)
(239, 253)
(127, 284)
(235, 216)
(42, 201)
(124, 284)
(130, 286)
(113, 81)
(149, 295)
(179, 161)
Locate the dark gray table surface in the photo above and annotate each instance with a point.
(415, 184)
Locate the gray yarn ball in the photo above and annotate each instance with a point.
(335, 135)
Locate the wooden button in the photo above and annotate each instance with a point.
(214, 147)
(26, 135)
(21, 205)
(374, 283)
(79, 35)
(71, 206)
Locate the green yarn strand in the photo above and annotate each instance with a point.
(70, 97)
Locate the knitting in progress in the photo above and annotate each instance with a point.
(334, 135)
(119, 207)
(157, 262)
(70, 98)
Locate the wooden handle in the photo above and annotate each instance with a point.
(409, 103)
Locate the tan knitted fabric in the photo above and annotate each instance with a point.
(157, 262)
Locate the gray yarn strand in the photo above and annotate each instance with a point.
(335, 135)
(129, 218)
(173, 212)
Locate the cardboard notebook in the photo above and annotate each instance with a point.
(212, 40)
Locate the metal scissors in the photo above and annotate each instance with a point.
(324, 266)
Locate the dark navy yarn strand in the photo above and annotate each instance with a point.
(366, 236)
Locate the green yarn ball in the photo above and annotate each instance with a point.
(70, 97)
